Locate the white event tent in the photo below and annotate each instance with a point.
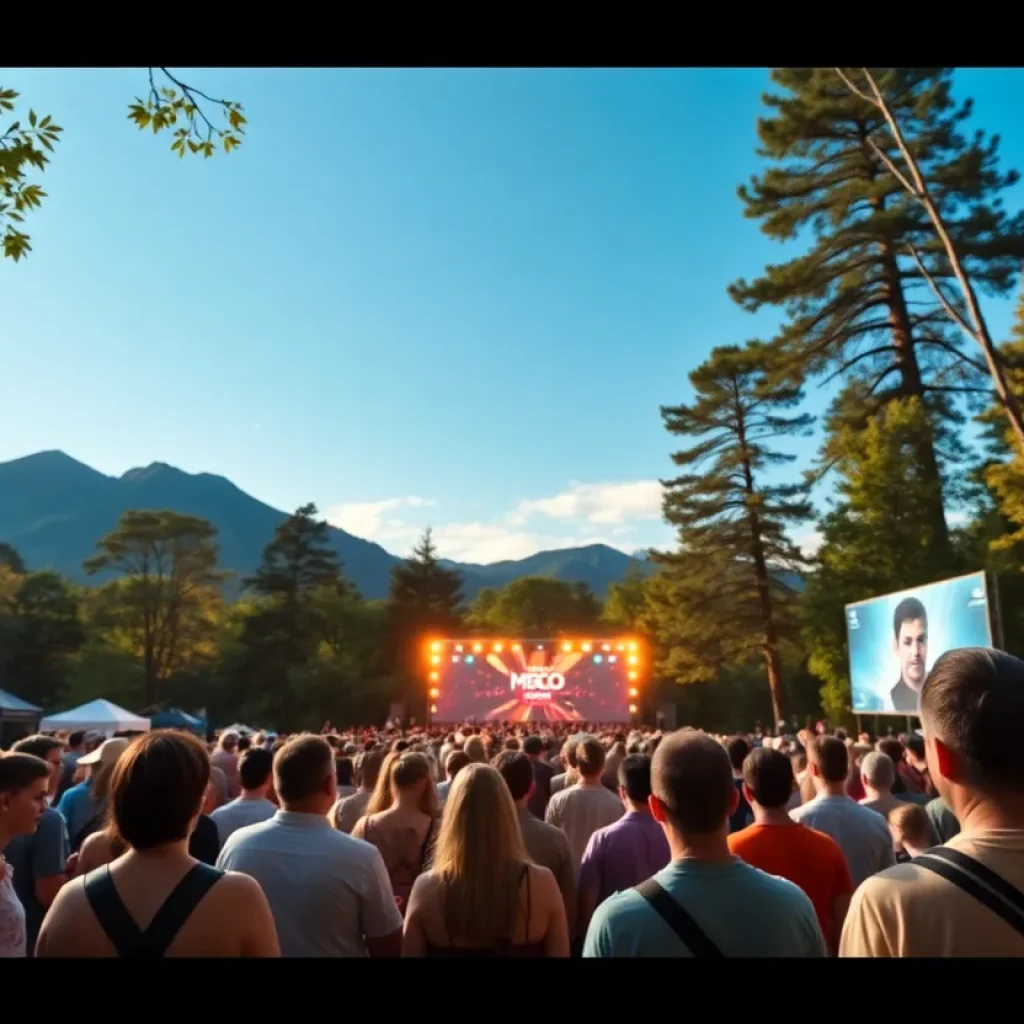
(98, 716)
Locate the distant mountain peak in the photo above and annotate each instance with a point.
(52, 461)
(150, 471)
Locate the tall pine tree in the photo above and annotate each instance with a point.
(857, 305)
(424, 598)
(723, 590)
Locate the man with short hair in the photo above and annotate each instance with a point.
(738, 749)
(562, 780)
(353, 807)
(225, 759)
(256, 775)
(543, 773)
(706, 903)
(454, 763)
(777, 844)
(877, 774)
(627, 852)
(582, 809)
(862, 835)
(962, 899)
(38, 859)
(74, 750)
(546, 844)
(910, 642)
(329, 893)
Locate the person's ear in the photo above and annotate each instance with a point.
(734, 801)
(948, 762)
(657, 809)
(814, 770)
(748, 794)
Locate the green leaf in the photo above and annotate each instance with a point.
(32, 118)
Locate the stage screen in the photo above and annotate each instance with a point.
(534, 681)
(895, 639)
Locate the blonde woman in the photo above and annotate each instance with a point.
(483, 896)
(381, 799)
(404, 832)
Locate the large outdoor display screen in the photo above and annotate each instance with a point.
(895, 639)
(534, 680)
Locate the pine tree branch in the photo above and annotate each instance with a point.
(937, 292)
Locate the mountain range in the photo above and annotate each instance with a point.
(54, 508)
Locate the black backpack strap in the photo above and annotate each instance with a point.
(178, 907)
(973, 878)
(111, 912)
(689, 932)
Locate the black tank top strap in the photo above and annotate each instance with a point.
(525, 876)
(425, 848)
(124, 934)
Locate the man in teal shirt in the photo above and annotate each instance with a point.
(706, 903)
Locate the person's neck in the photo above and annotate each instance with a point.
(253, 794)
(832, 789)
(407, 802)
(710, 848)
(914, 852)
(982, 813)
(306, 807)
(875, 794)
(521, 805)
(592, 783)
(771, 815)
(159, 854)
(634, 808)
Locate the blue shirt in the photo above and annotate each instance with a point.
(742, 910)
(42, 854)
(78, 808)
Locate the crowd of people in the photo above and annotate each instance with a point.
(528, 840)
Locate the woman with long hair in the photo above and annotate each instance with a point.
(483, 896)
(404, 833)
(381, 799)
(156, 899)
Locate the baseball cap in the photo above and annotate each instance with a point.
(106, 753)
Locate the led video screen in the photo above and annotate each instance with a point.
(534, 681)
(894, 640)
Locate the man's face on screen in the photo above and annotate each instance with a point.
(912, 650)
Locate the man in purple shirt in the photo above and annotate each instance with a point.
(627, 852)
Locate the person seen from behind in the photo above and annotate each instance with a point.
(405, 833)
(545, 844)
(255, 776)
(543, 773)
(453, 764)
(780, 846)
(963, 899)
(706, 903)
(738, 749)
(348, 810)
(225, 757)
(862, 835)
(329, 893)
(83, 806)
(483, 896)
(878, 774)
(912, 832)
(24, 784)
(627, 852)
(582, 809)
(157, 900)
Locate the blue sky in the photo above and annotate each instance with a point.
(454, 297)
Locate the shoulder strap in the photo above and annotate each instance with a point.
(689, 932)
(178, 907)
(425, 848)
(111, 912)
(973, 878)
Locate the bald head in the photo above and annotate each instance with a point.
(691, 775)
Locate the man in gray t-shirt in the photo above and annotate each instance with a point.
(255, 775)
(863, 835)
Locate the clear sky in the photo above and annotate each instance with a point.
(455, 297)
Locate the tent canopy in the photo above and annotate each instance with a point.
(15, 707)
(99, 715)
(175, 718)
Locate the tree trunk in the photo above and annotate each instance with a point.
(912, 386)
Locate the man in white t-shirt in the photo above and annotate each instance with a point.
(329, 893)
(862, 835)
(255, 775)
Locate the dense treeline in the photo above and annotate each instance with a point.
(895, 216)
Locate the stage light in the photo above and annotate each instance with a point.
(433, 709)
(598, 659)
(632, 647)
(607, 647)
(633, 659)
(540, 647)
(498, 648)
(469, 659)
(435, 659)
(612, 658)
(633, 676)
(517, 647)
(434, 677)
(435, 692)
(634, 692)
(632, 709)
(458, 647)
(477, 648)
(456, 658)
(435, 646)
(586, 648)
(567, 647)
(621, 647)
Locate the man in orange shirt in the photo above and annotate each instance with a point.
(777, 844)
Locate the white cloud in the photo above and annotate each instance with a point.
(368, 519)
(583, 514)
(808, 541)
(606, 504)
